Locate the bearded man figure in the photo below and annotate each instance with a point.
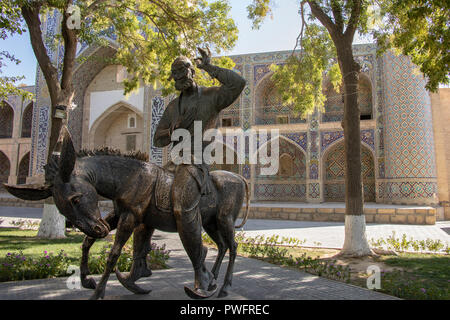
(195, 104)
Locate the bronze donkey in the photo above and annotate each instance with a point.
(139, 191)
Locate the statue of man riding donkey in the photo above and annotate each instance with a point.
(177, 198)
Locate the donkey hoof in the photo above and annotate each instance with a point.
(224, 290)
(98, 294)
(89, 283)
(130, 285)
(198, 294)
(222, 293)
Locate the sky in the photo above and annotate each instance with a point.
(275, 34)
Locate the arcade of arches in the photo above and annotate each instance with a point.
(403, 133)
(15, 141)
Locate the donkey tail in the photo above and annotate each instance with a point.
(247, 204)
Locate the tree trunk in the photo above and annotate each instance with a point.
(53, 224)
(355, 243)
(61, 94)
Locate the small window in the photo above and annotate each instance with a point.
(227, 122)
(131, 142)
(282, 120)
(366, 117)
(132, 122)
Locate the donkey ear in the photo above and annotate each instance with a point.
(68, 156)
(30, 192)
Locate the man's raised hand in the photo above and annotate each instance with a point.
(205, 58)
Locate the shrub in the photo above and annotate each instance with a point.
(404, 245)
(157, 258)
(275, 250)
(16, 266)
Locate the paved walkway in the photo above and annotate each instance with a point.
(253, 280)
(316, 234)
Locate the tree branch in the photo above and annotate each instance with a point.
(31, 16)
(337, 14)
(325, 20)
(354, 19)
(70, 50)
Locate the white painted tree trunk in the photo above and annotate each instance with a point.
(53, 224)
(355, 243)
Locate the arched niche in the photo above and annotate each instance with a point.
(269, 106)
(24, 166)
(5, 167)
(27, 119)
(289, 182)
(334, 103)
(6, 120)
(334, 173)
(112, 129)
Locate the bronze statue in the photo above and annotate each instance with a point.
(139, 193)
(147, 197)
(195, 104)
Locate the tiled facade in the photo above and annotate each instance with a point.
(398, 145)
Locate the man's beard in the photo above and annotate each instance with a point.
(184, 84)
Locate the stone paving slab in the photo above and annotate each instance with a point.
(253, 280)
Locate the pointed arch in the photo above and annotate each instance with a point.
(5, 167)
(333, 162)
(24, 166)
(27, 119)
(111, 128)
(269, 108)
(365, 97)
(284, 185)
(334, 103)
(6, 120)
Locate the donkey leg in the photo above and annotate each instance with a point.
(226, 227)
(86, 282)
(222, 249)
(125, 228)
(139, 269)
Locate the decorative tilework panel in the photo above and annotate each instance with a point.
(156, 154)
(298, 163)
(314, 190)
(42, 139)
(327, 138)
(407, 191)
(409, 142)
(334, 188)
(280, 192)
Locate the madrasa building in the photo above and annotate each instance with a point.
(405, 160)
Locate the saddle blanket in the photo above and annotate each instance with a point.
(163, 191)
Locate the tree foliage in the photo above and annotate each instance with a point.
(10, 24)
(420, 30)
(148, 35)
(301, 78)
(416, 28)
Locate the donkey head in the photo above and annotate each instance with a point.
(74, 196)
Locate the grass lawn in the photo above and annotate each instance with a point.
(23, 256)
(15, 240)
(406, 275)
